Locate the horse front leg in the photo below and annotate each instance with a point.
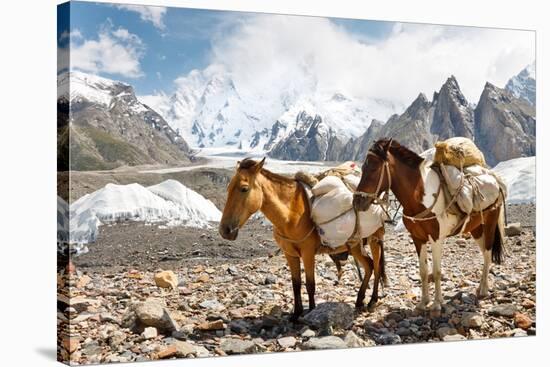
(294, 265)
(480, 237)
(309, 268)
(423, 268)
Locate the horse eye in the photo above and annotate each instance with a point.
(245, 189)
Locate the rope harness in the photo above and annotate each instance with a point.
(425, 216)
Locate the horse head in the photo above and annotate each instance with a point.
(244, 198)
(375, 177)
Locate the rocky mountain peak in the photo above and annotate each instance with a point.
(524, 84)
(453, 115)
(502, 117)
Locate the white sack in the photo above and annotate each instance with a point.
(338, 231)
(352, 181)
(327, 184)
(331, 205)
(469, 198)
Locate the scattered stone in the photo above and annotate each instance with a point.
(528, 304)
(471, 320)
(212, 325)
(513, 229)
(504, 310)
(166, 279)
(330, 315)
(212, 304)
(519, 332)
(270, 279)
(71, 344)
(153, 313)
(237, 346)
(325, 342)
(387, 338)
(403, 331)
(287, 342)
(149, 333)
(445, 331)
(453, 338)
(170, 351)
(184, 349)
(308, 333)
(204, 278)
(353, 341)
(83, 281)
(522, 321)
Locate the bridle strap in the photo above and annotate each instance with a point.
(376, 195)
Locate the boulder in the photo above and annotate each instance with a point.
(151, 312)
(325, 342)
(513, 229)
(505, 310)
(330, 315)
(471, 320)
(166, 279)
(237, 346)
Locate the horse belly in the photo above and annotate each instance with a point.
(447, 224)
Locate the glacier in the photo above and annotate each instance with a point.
(169, 202)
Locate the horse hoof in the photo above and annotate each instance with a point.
(359, 307)
(371, 306)
(482, 295)
(422, 307)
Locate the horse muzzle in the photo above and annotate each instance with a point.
(229, 232)
(361, 202)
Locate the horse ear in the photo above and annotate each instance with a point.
(259, 165)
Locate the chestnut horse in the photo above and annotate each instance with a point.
(391, 166)
(285, 203)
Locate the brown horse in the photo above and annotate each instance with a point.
(284, 202)
(391, 166)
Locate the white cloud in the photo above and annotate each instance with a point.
(273, 51)
(153, 14)
(115, 51)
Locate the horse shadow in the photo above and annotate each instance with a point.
(409, 325)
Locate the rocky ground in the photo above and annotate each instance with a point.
(221, 300)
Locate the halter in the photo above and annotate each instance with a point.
(375, 196)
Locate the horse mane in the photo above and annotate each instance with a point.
(249, 163)
(400, 152)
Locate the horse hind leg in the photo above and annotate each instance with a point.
(339, 270)
(482, 235)
(308, 258)
(368, 265)
(437, 249)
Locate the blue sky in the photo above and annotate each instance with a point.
(181, 44)
(151, 47)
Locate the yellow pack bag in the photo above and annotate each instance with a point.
(459, 152)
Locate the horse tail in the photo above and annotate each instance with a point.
(498, 240)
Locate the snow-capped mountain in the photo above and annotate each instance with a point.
(524, 84)
(211, 110)
(107, 126)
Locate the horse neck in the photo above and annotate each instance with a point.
(282, 204)
(407, 186)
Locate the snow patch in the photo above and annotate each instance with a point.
(519, 176)
(169, 202)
